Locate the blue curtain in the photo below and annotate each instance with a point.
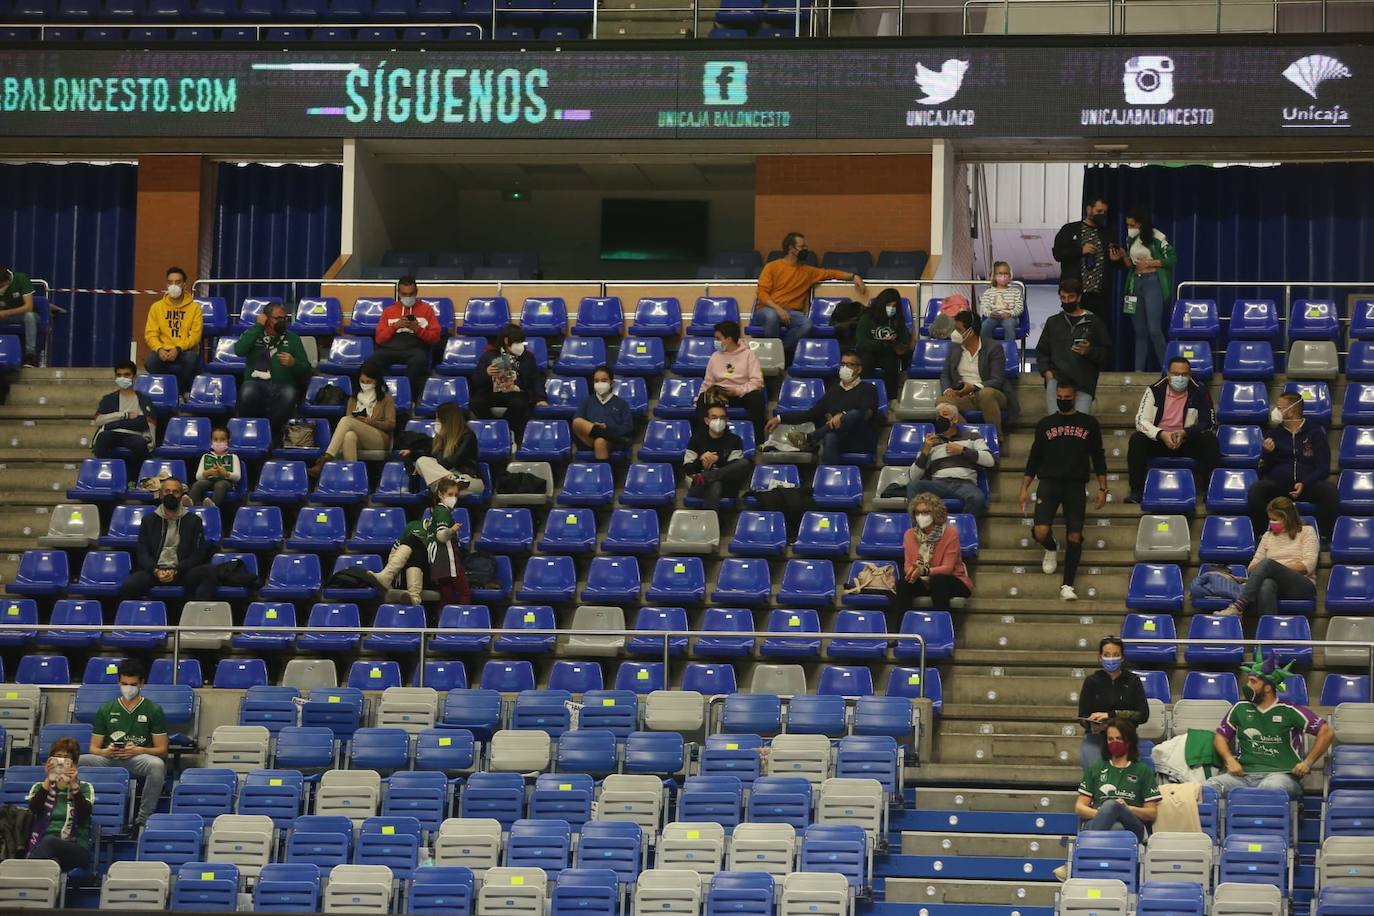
(1305, 224)
(275, 221)
(73, 225)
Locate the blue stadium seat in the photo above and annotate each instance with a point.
(1228, 489)
(743, 580)
(367, 312)
(1245, 403)
(507, 531)
(767, 476)
(1359, 363)
(1285, 627)
(717, 799)
(1106, 855)
(1240, 445)
(677, 398)
(1254, 319)
(877, 717)
(100, 480)
(1254, 859)
(379, 528)
(102, 574)
(808, 583)
(759, 534)
(544, 317)
(586, 750)
(251, 437)
(1356, 488)
(935, 627)
(1358, 405)
(709, 679)
(822, 315)
(816, 715)
(928, 357)
(256, 528)
(500, 796)
(845, 681)
(100, 671)
(346, 355)
(1169, 491)
(1314, 319)
(287, 888)
(527, 617)
(882, 535)
(505, 580)
(380, 749)
(282, 483)
(587, 484)
(309, 748)
(205, 793)
(374, 675)
(837, 487)
(658, 620)
(1206, 685)
(780, 800)
(911, 682)
(1338, 900)
(599, 316)
(665, 440)
(854, 622)
(494, 439)
(677, 580)
(692, 356)
(137, 614)
(546, 440)
(657, 317)
(485, 316)
(320, 529)
(1195, 319)
(396, 617)
(552, 579)
(1357, 447)
(160, 389)
(41, 573)
(639, 677)
(781, 620)
(632, 531)
(341, 483)
(184, 437)
(1345, 688)
(18, 611)
(1155, 587)
(1198, 353)
(568, 531)
(1248, 360)
(460, 356)
(839, 849)
(397, 487)
(751, 714)
(564, 396)
(1203, 626)
(1150, 626)
(293, 577)
(1352, 540)
(438, 391)
(815, 358)
(72, 612)
(1316, 396)
(723, 620)
(710, 311)
(1156, 684)
(640, 357)
(612, 580)
(581, 356)
(125, 520)
(798, 395)
(449, 750)
(576, 677)
(1226, 539)
(240, 673)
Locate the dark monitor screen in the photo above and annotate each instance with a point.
(653, 230)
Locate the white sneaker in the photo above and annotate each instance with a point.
(1066, 593)
(1049, 564)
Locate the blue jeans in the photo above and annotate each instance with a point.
(1225, 782)
(1114, 815)
(1148, 319)
(773, 327)
(1270, 581)
(266, 398)
(1010, 327)
(975, 503)
(830, 440)
(1082, 401)
(1093, 747)
(30, 322)
(152, 771)
(184, 367)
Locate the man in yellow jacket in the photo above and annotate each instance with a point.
(173, 332)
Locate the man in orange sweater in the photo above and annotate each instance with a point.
(407, 333)
(784, 300)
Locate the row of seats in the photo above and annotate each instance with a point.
(1110, 897)
(1260, 319)
(1221, 685)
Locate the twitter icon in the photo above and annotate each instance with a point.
(940, 85)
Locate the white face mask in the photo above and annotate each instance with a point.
(408, 301)
(1277, 416)
(717, 426)
(174, 290)
(720, 345)
(368, 386)
(1178, 382)
(449, 501)
(518, 349)
(846, 374)
(924, 519)
(128, 691)
(1132, 233)
(601, 388)
(956, 337)
(123, 383)
(891, 310)
(438, 427)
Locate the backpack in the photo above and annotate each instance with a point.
(16, 824)
(520, 482)
(236, 574)
(481, 570)
(790, 501)
(330, 395)
(943, 324)
(1215, 581)
(352, 577)
(845, 318)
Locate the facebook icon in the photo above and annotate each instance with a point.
(725, 82)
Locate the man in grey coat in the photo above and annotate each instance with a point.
(975, 375)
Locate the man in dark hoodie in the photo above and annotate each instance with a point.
(171, 549)
(507, 376)
(1074, 347)
(1175, 420)
(1295, 460)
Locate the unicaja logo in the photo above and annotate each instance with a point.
(1307, 73)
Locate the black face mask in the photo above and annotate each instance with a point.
(1069, 306)
(1099, 220)
(802, 253)
(171, 502)
(1065, 404)
(942, 425)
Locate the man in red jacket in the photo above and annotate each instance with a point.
(407, 333)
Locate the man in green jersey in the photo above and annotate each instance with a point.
(130, 731)
(1261, 738)
(16, 305)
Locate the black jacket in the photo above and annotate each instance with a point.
(1055, 349)
(1068, 251)
(528, 376)
(192, 551)
(1124, 697)
(462, 460)
(1066, 447)
(1301, 457)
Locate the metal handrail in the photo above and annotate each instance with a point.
(1293, 643)
(426, 632)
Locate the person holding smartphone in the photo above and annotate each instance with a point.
(1074, 347)
(407, 332)
(61, 806)
(368, 422)
(130, 732)
(1111, 692)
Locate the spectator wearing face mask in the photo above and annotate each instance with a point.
(508, 377)
(407, 332)
(124, 422)
(428, 549)
(276, 369)
(1284, 565)
(1175, 420)
(61, 807)
(603, 421)
(714, 462)
(932, 564)
(1110, 692)
(450, 455)
(172, 332)
(1073, 347)
(948, 463)
(1295, 461)
(16, 303)
(1118, 792)
(882, 338)
(974, 376)
(217, 472)
(1001, 303)
(733, 378)
(367, 423)
(171, 549)
(1148, 284)
(130, 732)
(784, 291)
(845, 417)
(1086, 249)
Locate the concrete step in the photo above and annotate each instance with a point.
(1027, 749)
(981, 844)
(928, 798)
(1091, 554)
(1004, 727)
(935, 891)
(45, 434)
(83, 393)
(1029, 582)
(991, 634)
(88, 374)
(1015, 686)
(17, 477)
(1101, 533)
(647, 28)
(23, 525)
(1004, 772)
(985, 712)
